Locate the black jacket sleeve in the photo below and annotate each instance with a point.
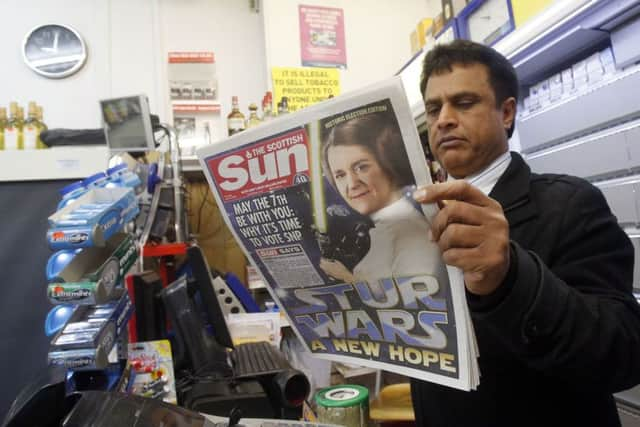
(574, 318)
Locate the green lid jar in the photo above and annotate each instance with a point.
(346, 405)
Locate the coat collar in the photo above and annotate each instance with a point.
(512, 191)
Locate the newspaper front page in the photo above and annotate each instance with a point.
(320, 201)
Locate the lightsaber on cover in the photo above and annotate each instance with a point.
(317, 183)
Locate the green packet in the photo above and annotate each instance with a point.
(92, 275)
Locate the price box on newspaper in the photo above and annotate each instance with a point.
(320, 201)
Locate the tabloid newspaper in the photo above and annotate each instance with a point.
(320, 201)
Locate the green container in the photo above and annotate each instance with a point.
(346, 405)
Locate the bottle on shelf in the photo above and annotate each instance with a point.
(253, 119)
(207, 133)
(21, 134)
(235, 119)
(42, 123)
(267, 113)
(40, 119)
(283, 106)
(32, 129)
(3, 125)
(13, 129)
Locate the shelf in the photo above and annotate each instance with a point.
(606, 103)
(623, 199)
(58, 163)
(630, 397)
(190, 164)
(616, 145)
(563, 33)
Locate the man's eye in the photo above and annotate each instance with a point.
(467, 103)
(338, 176)
(432, 111)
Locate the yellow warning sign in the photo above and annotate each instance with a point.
(304, 86)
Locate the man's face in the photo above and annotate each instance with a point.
(467, 131)
(359, 178)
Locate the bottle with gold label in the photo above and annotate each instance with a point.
(21, 128)
(43, 125)
(40, 118)
(253, 119)
(13, 130)
(32, 129)
(3, 125)
(235, 119)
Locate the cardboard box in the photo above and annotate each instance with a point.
(87, 341)
(423, 30)
(438, 24)
(415, 44)
(447, 11)
(567, 81)
(555, 87)
(595, 70)
(92, 219)
(458, 5)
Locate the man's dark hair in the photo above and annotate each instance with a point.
(502, 75)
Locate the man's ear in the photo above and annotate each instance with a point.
(508, 112)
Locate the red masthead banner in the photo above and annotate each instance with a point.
(272, 164)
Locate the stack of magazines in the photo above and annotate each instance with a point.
(320, 201)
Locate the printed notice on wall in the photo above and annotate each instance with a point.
(305, 86)
(322, 42)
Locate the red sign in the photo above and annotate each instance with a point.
(322, 42)
(191, 57)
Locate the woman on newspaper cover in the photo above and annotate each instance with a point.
(365, 160)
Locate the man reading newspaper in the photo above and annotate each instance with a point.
(547, 269)
(321, 203)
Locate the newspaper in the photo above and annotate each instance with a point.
(320, 201)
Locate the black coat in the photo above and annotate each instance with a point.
(562, 333)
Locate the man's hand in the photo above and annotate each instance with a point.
(471, 231)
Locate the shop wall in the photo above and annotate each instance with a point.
(71, 101)
(233, 32)
(128, 41)
(376, 32)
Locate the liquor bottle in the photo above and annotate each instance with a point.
(207, 133)
(43, 124)
(13, 130)
(235, 119)
(40, 118)
(283, 106)
(32, 129)
(21, 128)
(253, 119)
(267, 113)
(3, 124)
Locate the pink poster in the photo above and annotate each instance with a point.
(322, 37)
